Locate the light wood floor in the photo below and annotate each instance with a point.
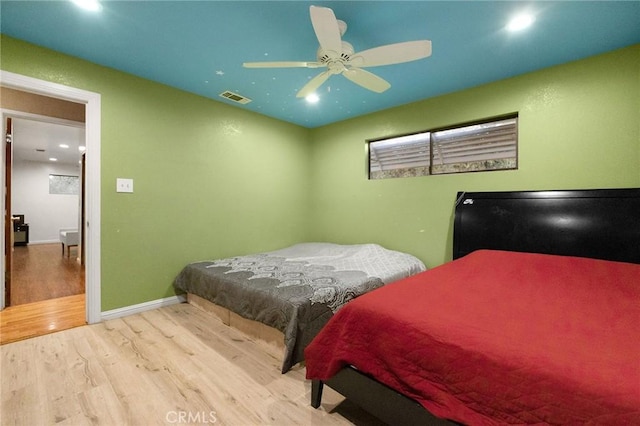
(173, 365)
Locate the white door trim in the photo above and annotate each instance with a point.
(92, 102)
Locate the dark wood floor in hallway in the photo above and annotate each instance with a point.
(47, 293)
(42, 272)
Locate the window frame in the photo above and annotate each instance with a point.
(430, 132)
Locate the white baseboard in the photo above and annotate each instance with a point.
(44, 242)
(141, 307)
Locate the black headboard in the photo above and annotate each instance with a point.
(601, 223)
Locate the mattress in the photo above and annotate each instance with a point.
(296, 289)
(499, 337)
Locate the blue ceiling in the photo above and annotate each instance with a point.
(199, 46)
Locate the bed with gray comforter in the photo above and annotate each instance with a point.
(296, 289)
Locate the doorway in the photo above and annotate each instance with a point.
(91, 223)
(45, 186)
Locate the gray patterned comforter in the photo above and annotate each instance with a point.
(297, 289)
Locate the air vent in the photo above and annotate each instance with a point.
(235, 97)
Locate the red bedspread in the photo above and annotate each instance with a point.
(499, 337)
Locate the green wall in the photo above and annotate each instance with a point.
(210, 179)
(579, 127)
(214, 180)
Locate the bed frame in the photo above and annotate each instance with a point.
(601, 224)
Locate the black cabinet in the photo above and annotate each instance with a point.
(20, 234)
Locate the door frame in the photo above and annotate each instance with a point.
(8, 225)
(91, 226)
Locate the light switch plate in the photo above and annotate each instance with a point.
(124, 185)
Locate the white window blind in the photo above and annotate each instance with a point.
(398, 153)
(490, 145)
(496, 140)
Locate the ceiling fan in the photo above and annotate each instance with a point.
(338, 56)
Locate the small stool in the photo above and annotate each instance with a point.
(68, 238)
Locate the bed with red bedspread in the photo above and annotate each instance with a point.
(535, 321)
(499, 337)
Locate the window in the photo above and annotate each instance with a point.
(61, 184)
(483, 146)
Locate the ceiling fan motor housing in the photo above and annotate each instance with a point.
(336, 61)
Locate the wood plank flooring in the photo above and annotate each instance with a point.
(43, 317)
(47, 293)
(173, 365)
(41, 272)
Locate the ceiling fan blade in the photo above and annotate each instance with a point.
(326, 28)
(313, 84)
(367, 80)
(283, 64)
(392, 54)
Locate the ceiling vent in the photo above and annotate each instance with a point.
(235, 97)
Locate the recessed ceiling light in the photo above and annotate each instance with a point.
(63, 145)
(312, 98)
(53, 159)
(520, 22)
(90, 5)
(81, 148)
